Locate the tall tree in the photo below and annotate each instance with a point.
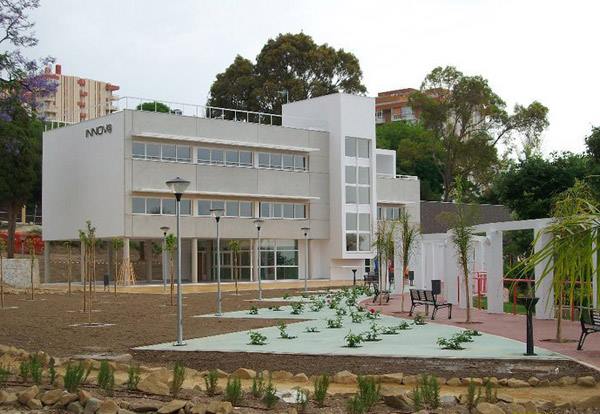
(290, 67)
(469, 119)
(592, 143)
(154, 106)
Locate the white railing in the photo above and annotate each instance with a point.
(399, 176)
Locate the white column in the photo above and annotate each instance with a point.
(450, 272)
(82, 261)
(194, 254)
(148, 256)
(418, 267)
(543, 290)
(495, 272)
(126, 255)
(46, 261)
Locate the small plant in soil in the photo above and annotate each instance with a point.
(283, 334)
(317, 304)
(491, 393)
(403, 326)
(450, 344)
(369, 391)
(312, 329)
(419, 320)
(75, 375)
(333, 304)
(473, 396)
(426, 393)
(340, 312)
(351, 301)
(305, 295)
(35, 369)
(390, 330)
(106, 377)
(372, 334)
(297, 308)
(256, 338)
(301, 399)
(258, 386)
(355, 406)
(462, 337)
(24, 370)
(4, 374)
(253, 311)
(360, 309)
(211, 380)
(334, 323)
(178, 378)
(353, 340)
(472, 332)
(51, 371)
(373, 314)
(275, 308)
(133, 377)
(270, 398)
(321, 385)
(357, 317)
(233, 391)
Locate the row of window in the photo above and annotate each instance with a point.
(282, 161)
(357, 147)
(282, 210)
(143, 205)
(388, 213)
(231, 208)
(358, 232)
(163, 152)
(225, 157)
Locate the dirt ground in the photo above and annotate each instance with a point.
(47, 323)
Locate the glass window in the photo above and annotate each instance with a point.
(287, 257)
(267, 258)
(299, 211)
(232, 157)
(288, 211)
(363, 175)
(245, 209)
(168, 206)
(138, 205)
(153, 206)
(288, 272)
(276, 160)
(246, 158)
(364, 242)
(350, 194)
(232, 208)
(287, 245)
(288, 161)
(204, 207)
(153, 151)
(277, 210)
(350, 175)
(363, 195)
(350, 147)
(264, 159)
(203, 155)
(139, 150)
(363, 148)
(218, 205)
(351, 221)
(186, 207)
(299, 162)
(351, 242)
(265, 210)
(364, 221)
(184, 153)
(216, 156)
(169, 152)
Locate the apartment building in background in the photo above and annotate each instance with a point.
(77, 99)
(393, 106)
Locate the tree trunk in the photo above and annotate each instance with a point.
(467, 289)
(32, 254)
(404, 276)
(84, 266)
(559, 317)
(172, 276)
(69, 267)
(12, 228)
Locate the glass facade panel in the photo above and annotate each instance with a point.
(218, 204)
(350, 147)
(277, 210)
(153, 206)
(246, 158)
(138, 205)
(264, 159)
(232, 208)
(288, 162)
(299, 162)
(186, 207)
(245, 209)
(288, 211)
(265, 209)
(299, 211)
(153, 151)
(184, 153)
(138, 150)
(168, 206)
(351, 221)
(232, 157)
(350, 174)
(275, 160)
(364, 242)
(363, 195)
(364, 223)
(169, 152)
(204, 207)
(351, 242)
(363, 175)
(350, 194)
(216, 156)
(203, 155)
(363, 148)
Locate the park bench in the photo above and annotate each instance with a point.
(425, 297)
(384, 294)
(369, 279)
(590, 323)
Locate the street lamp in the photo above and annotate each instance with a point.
(258, 223)
(178, 186)
(165, 265)
(305, 230)
(217, 213)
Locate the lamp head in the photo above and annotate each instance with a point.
(305, 230)
(258, 223)
(178, 186)
(165, 229)
(217, 212)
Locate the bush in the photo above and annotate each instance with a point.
(491, 393)
(473, 396)
(450, 344)
(258, 385)
(373, 314)
(178, 378)
(334, 323)
(256, 338)
(106, 377)
(369, 391)
(253, 311)
(24, 370)
(233, 391)
(133, 377)
(426, 394)
(283, 331)
(211, 380)
(270, 398)
(352, 340)
(275, 308)
(403, 326)
(419, 320)
(317, 304)
(312, 329)
(321, 385)
(51, 371)
(461, 337)
(4, 374)
(35, 368)
(297, 308)
(75, 375)
(355, 406)
(340, 312)
(472, 332)
(390, 330)
(372, 334)
(357, 317)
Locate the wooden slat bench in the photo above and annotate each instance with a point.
(425, 297)
(384, 295)
(590, 323)
(369, 279)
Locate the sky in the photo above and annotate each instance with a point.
(172, 50)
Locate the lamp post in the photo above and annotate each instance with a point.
(178, 185)
(217, 213)
(164, 229)
(258, 223)
(305, 230)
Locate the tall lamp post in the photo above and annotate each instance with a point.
(217, 213)
(258, 223)
(305, 230)
(178, 185)
(165, 265)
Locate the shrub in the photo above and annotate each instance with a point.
(450, 344)
(369, 391)
(253, 311)
(472, 332)
(373, 314)
(301, 399)
(312, 329)
(321, 385)
(24, 370)
(75, 375)
(178, 378)
(491, 393)
(333, 304)
(372, 334)
(355, 406)
(256, 338)
(352, 340)
(4, 374)
(35, 368)
(270, 398)
(462, 337)
(106, 377)
(390, 330)
(403, 326)
(297, 308)
(233, 390)
(473, 396)
(258, 385)
(275, 308)
(419, 320)
(351, 301)
(317, 304)
(340, 312)
(286, 296)
(426, 394)
(334, 323)
(305, 295)
(283, 334)
(133, 377)
(51, 371)
(357, 317)
(210, 381)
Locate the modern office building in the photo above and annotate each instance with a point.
(318, 169)
(77, 99)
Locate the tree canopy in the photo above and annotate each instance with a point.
(154, 106)
(290, 67)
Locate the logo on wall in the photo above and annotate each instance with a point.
(99, 130)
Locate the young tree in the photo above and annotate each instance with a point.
(234, 247)
(69, 269)
(384, 244)
(117, 244)
(171, 247)
(88, 239)
(2, 249)
(154, 106)
(408, 238)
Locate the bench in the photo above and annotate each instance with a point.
(369, 279)
(425, 297)
(382, 294)
(590, 323)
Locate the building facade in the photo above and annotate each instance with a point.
(77, 99)
(393, 106)
(319, 169)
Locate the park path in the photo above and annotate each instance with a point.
(510, 326)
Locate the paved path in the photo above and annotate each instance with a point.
(513, 327)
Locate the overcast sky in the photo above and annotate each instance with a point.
(172, 50)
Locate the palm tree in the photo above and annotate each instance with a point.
(234, 247)
(408, 236)
(170, 246)
(384, 244)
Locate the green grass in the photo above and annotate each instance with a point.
(508, 306)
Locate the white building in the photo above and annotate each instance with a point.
(319, 169)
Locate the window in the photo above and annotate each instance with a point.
(282, 210)
(169, 152)
(279, 259)
(363, 175)
(232, 208)
(357, 147)
(246, 158)
(277, 210)
(351, 194)
(184, 153)
(264, 159)
(288, 211)
(204, 207)
(168, 206)
(139, 150)
(138, 205)
(364, 242)
(350, 174)
(299, 211)
(351, 244)
(153, 206)
(153, 151)
(388, 212)
(275, 160)
(230, 267)
(245, 209)
(288, 162)
(281, 161)
(363, 195)
(165, 206)
(232, 157)
(363, 148)
(186, 207)
(350, 149)
(203, 155)
(265, 210)
(351, 222)
(216, 156)
(299, 162)
(358, 232)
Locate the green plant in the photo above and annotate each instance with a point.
(321, 385)
(258, 385)
(275, 308)
(333, 303)
(491, 393)
(340, 312)
(462, 337)
(357, 317)
(51, 371)
(473, 396)
(317, 304)
(256, 338)
(373, 314)
(426, 394)
(178, 378)
(355, 405)
(133, 376)
(419, 320)
(352, 340)
(283, 334)
(334, 323)
(35, 368)
(408, 240)
(24, 370)
(4, 374)
(403, 326)
(286, 296)
(312, 329)
(305, 295)
(390, 330)
(253, 311)
(270, 398)
(297, 308)
(372, 334)
(472, 332)
(450, 343)
(75, 375)
(369, 391)
(233, 391)
(106, 377)
(301, 399)
(210, 381)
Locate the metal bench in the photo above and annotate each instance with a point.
(590, 323)
(369, 279)
(425, 297)
(381, 294)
